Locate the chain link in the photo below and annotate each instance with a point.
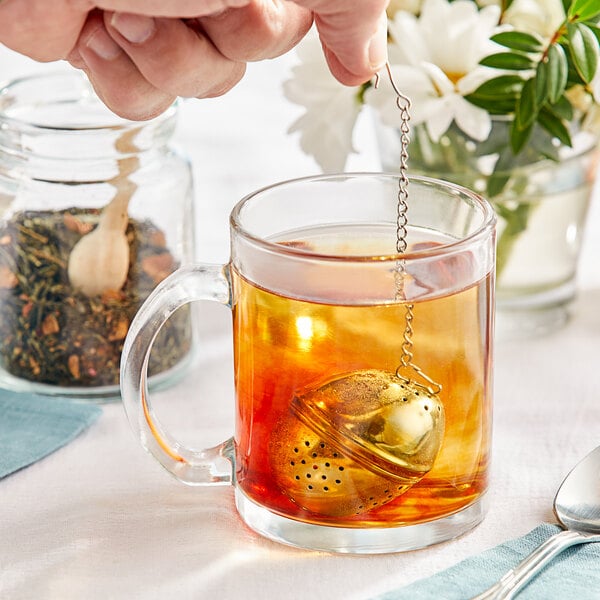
(404, 105)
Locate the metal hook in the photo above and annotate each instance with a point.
(402, 101)
(399, 94)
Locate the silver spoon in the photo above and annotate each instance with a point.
(577, 508)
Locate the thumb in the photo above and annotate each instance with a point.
(353, 34)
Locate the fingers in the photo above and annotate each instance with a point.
(139, 64)
(354, 36)
(174, 57)
(170, 8)
(138, 80)
(26, 28)
(116, 79)
(141, 54)
(261, 29)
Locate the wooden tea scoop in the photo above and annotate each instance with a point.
(99, 261)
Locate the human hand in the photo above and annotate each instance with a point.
(141, 54)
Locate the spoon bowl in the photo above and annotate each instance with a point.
(99, 261)
(577, 502)
(577, 508)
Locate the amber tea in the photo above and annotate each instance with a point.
(285, 344)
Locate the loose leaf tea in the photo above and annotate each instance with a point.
(54, 334)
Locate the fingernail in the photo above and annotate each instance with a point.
(103, 45)
(134, 28)
(378, 51)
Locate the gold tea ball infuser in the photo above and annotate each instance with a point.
(357, 442)
(363, 438)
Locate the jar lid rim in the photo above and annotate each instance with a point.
(74, 88)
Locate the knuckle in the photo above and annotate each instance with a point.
(224, 85)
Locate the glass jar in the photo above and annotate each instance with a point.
(63, 158)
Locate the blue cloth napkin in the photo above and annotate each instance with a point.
(575, 573)
(32, 427)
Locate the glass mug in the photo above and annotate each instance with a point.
(363, 377)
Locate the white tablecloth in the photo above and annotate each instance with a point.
(100, 519)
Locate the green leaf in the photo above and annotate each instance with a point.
(496, 183)
(558, 70)
(519, 137)
(360, 95)
(499, 95)
(526, 109)
(516, 218)
(583, 46)
(517, 40)
(541, 83)
(573, 76)
(595, 30)
(511, 61)
(501, 174)
(494, 106)
(555, 126)
(563, 109)
(541, 143)
(504, 85)
(582, 10)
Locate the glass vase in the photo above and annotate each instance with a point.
(541, 203)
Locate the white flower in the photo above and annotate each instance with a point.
(412, 6)
(535, 16)
(331, 108)
(434, 61)
(543, 17)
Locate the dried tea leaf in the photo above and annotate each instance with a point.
(55, 335)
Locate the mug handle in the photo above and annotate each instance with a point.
(211, 466)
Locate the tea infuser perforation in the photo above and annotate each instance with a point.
(378, 431)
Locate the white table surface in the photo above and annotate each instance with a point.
(100, 519)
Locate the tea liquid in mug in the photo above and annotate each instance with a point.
(284, 344)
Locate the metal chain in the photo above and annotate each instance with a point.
(403, 104)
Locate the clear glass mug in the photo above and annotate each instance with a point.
(363, 377)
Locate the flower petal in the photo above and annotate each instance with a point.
(327, 140)
(414, 83)
(408, 46)
(472, 80)
(473, 120)
(439, 119)
(331, 109)
(536, 16)
(438, 78)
